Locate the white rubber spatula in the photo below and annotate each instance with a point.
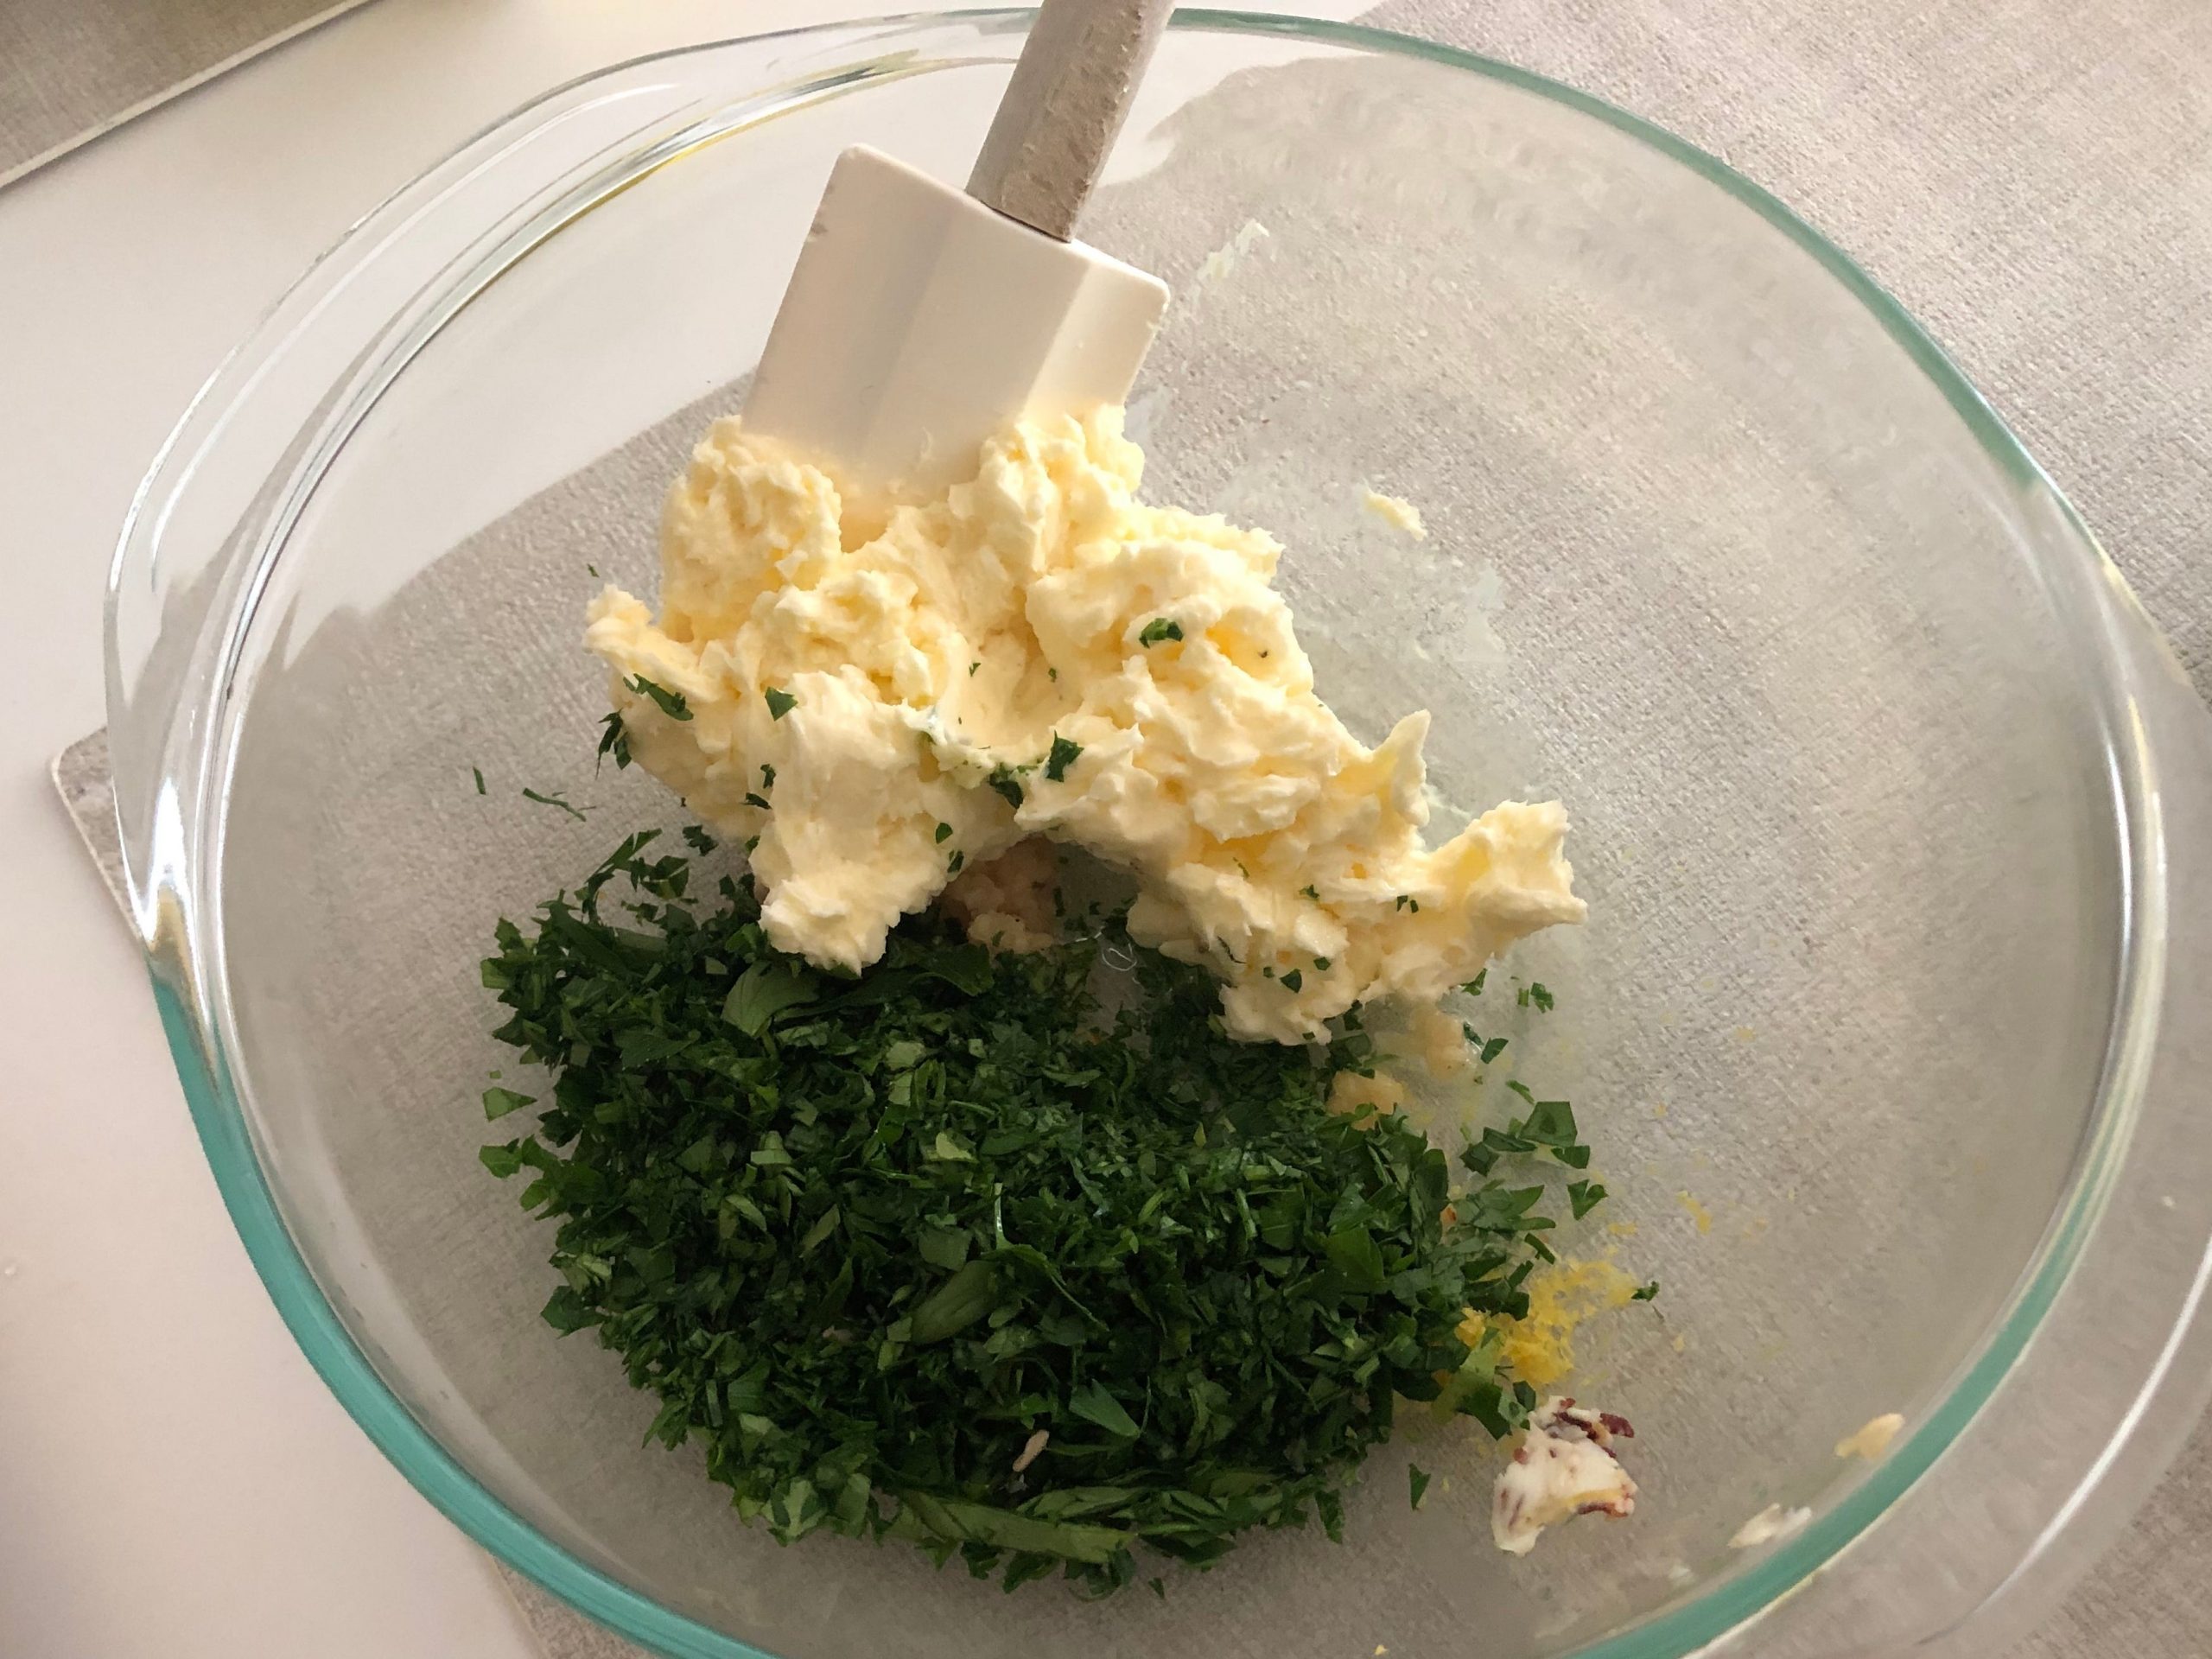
(921, 321)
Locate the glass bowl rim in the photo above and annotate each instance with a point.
(1735, 1598)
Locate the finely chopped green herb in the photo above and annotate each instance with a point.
(615, 739)
(670, 703)
(1061, 757)
(876, 1241)
(554, 798)
(1006, 782)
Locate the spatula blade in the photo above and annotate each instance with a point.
(918, 323)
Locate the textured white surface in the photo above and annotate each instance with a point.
(2033, 186)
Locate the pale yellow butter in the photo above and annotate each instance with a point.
(1397, 512)
(1872, 1439)
(967, 635)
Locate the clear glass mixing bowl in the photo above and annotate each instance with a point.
(1890, 808)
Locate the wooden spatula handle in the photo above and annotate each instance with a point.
(1070, 94)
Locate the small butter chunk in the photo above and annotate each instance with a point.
(1038, 652)
(1397, 512)
(1564, 1467)
(1442, 1041)
(1872, 1438)
(1352, 1093)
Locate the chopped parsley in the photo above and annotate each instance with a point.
(1537, 994)
(498, 1102)
(478, 773)
(615, 739)
(1310, 892)
(1549, 1126)
(1159, 628)
(873, 1240)
(554, 799)
(670, 703)
(780, 702)
(767, 777)
(1061, 757)
(1292, 980)
(943, 833)
(1474, 987)
(1006, 782)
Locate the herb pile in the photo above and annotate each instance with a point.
(951, 1253)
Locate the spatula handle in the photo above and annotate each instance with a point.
(1070, 94)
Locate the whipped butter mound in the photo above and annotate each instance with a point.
(1039, 652)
